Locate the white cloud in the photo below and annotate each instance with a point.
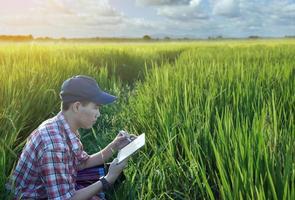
(228, 8)
(200, 18)
(57, 18)
(141, 23)
(83, 12)
(268, 14)
(191, 11)
(162, 2)
(283, 11)
(66, 12)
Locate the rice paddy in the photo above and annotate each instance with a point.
(218, 116)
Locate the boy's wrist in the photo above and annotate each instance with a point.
(113, 147)
(106, 185)
(110, 179)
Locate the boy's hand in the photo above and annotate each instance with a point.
(122, 139)
(115, 170)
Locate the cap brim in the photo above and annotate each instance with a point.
(104, 98)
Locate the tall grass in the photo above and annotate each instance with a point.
(219, 124)
(30, 80)
(219, 116)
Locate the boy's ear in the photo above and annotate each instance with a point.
(76, 106)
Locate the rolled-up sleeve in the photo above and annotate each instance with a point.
(56, 175)
(82, 157)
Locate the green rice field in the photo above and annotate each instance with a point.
(218, 115)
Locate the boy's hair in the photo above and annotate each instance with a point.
(64, 106)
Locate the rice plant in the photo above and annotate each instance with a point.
(218, 116)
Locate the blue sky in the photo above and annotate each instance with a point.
(158, 18)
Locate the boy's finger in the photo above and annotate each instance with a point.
(115, 161)
(132, 136)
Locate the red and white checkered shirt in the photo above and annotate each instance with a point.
(48, 165)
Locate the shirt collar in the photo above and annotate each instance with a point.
(74, 139)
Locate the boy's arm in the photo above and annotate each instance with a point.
(56, 176)
(88, 192)
(99, 158)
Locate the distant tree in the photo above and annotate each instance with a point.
(43, 38)
(253, 37)
(16, 38)
(146, 37)
(29, 37)
(166, 38)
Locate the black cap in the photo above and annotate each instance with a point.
(84, 88)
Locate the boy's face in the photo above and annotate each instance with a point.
(88, 115)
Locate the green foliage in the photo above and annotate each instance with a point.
(218, 116)
(146, 37)
(219, 125)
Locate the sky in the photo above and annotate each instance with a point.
(157, 18)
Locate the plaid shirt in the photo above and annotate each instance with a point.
(48, 165)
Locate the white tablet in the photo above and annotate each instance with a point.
(131, 148)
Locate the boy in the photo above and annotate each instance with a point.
(48, 165)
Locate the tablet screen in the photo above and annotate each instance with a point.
(132, 147)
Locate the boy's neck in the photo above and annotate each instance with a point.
(70, 119)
